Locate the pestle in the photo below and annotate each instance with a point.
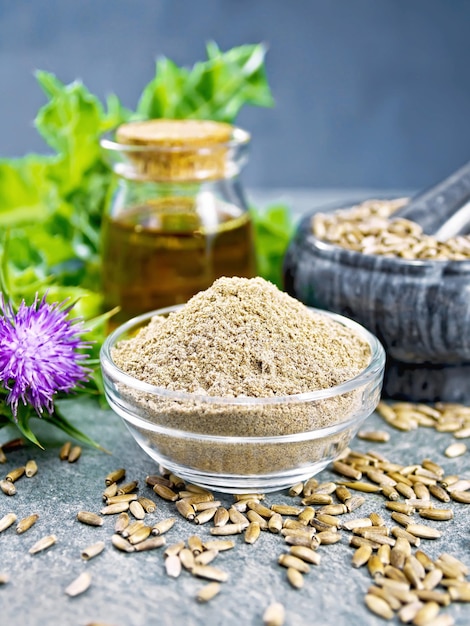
(443, 210)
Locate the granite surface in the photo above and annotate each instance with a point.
(133, 589)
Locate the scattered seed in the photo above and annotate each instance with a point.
(448, 558)
(437, 514)
(121, 544)
(346, 470)
(65, 451)
(208, 592)
(310, 485)
(185, 509)
(140, 535)
(390, 599)
(43, 544)
(228, 529)
(384, 554)
(342, 493)
(115, 476)
(174, 549)
(173, 566)
(327, 537)
(296, 490)
(210, 573)
(440, 597)
(295, 578)
(423, 531)
(377, 436)
(401, 533)
(354, 503)
(92, 519)
(317, 498)
(6, 521)
(110, 491)
(128, 487)
(7, 487)
(455, 449)
(132, 528)
(306, 554)
(205, 516)
(79, 585)
(408, 612)
(137, 509)
(236, 517)
(122, 522)
(252, 532)
(3, 458)
(461, 496)
(4, 578)
(26, 523)
(361, 556)
(432, 579)
(113, 509)
(360, 486)
(221, 516)
(31, 468)
(93, 550)
(289, 560)
(150, 544)
(187, 558)
(123, 497)
(74, 454)
(274, 615)
(460, 593)
(378, 606)
(219, 544)
(205, 557)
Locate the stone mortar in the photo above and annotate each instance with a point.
(420, 310)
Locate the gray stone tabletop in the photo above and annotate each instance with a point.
(134, 590)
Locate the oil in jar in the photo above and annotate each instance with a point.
(162, 252)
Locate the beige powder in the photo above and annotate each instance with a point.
(244, 338)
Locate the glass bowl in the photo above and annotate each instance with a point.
(242, 444)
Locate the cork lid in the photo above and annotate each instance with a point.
(172, 133)
(178, 150)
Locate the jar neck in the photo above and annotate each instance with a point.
(128, 193)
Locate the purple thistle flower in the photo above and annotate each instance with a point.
(39, 353)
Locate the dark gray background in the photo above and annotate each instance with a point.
(368, 92)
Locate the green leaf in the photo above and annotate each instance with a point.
(25, 413)
(213, 89)
(58, 420)
(26, 194)
(273, 228)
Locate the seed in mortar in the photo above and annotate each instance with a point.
(243, 337)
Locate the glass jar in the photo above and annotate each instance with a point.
(177, 218)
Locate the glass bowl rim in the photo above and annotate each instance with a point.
(371, 371)
(240, 137)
